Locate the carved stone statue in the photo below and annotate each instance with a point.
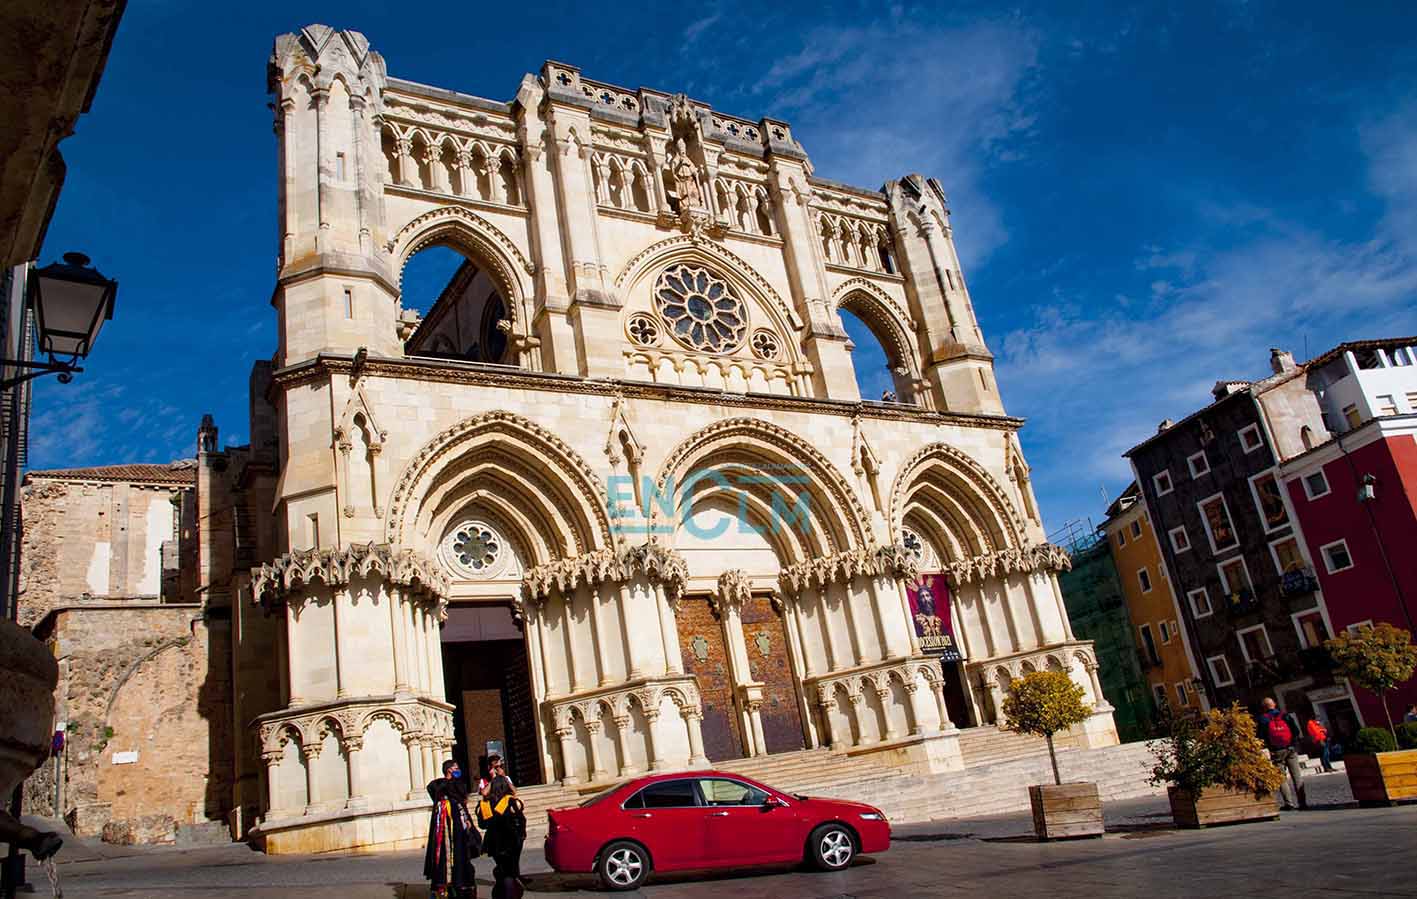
(686, 177)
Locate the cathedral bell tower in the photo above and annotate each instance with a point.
(958, 366)
(336, 289)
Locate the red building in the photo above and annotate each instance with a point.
(1355, 493)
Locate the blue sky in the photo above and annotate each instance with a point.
(1147, 198)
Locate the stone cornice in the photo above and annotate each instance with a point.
(893, 561)
(649, 560)
(486, 375)
(296, 571)
(1010, 560)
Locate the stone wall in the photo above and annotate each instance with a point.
(96, 539)
(144, 690)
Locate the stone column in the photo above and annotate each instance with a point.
(693, 719)
(853, 626)
(938, 688)
(354, 759)
(340, 655)
(622, 740)
(400, 643)
(1062, 607)
(911, 637)
(418, 630)
(416, 778)
(634, 649)
(912, 696)
(567, 736)
(829, 706)
(883, 695)
(438, 688)
(656, 752)
(669, 633)
(568, 624)
(1097, 698)
(829, 635)
(407, 171)
(597, 632)
(313, 796)
(272, 759)
(795, 634)
(755, 716)
(431, 761)
(597, 766)
(282, 666)
(996, 694)
(858, 709)
(297, 683)
(320, 100)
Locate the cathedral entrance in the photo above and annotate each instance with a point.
(488, 683)
(955, 700)
(706, 658)
(769, 664)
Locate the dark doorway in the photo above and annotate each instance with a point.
(954, 695)
(488, 682)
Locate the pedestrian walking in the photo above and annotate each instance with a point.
(1318, 735)
(453, 841)
(1280, 732)
(495, 768)
(503, 818)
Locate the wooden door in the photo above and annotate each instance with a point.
(706, 658)
(770, 665)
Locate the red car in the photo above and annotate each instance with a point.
(706, 819)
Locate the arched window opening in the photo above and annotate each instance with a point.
(1306, 435)
(883, 247)
(880, 376)
(617, 184)
(464, 314)
(507, 174)
(764, 212)
(423, 157)
(640, 191)
(825, 226)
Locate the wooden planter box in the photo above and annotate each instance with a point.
(1383, 778)
(1220, 805)
(1066, 810)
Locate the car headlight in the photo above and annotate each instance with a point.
(872, 816)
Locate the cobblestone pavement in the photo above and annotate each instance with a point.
(1336, 849)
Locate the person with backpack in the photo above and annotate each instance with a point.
(1318, 735)
(502, 817)
(1280, 733)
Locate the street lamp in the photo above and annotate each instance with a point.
(71, 301)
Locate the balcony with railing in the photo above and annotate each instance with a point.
(1242, 601)
(1298, 582)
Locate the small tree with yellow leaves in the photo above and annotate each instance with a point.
(1043, 703)
(1378, 659)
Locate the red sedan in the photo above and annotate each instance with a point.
(706, 819)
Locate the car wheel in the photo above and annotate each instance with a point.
(623, 866)
(831, 847)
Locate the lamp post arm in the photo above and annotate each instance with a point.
(65, 371)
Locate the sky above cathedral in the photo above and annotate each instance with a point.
(1146, 198)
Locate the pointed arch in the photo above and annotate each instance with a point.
(953, 497)
(472, 235)
(520, 472)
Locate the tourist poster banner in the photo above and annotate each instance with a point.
(930, 607)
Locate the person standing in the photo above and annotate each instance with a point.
(503, 817)
(1411, 716)
(453, 841)
(1280, 733)
(1318, 735)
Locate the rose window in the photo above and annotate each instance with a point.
(701, 311)
(473, 550)
(766, 345)
(643, 329)
(476, 547)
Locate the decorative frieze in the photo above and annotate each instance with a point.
(296, 571)
(1027, 559)
(877, 561)
(651, 561)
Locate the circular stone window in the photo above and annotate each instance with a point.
(473, 550)
(643, 329)
(701, 311)
(766, 345)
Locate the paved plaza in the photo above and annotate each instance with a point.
(1336, 849)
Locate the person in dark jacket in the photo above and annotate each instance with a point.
(502, 816)
(453, 841)
(1280, 733)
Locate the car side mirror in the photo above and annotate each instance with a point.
(772, 802)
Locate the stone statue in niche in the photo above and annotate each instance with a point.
(686, 178)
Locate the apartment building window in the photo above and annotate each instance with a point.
(1180, 540)
(1158, 691)
(1220, 671)
(1215, 514)
(1200, 602)
(1250, 439)
(1144, 578)
(1311, 629)
(1121, 538)
(1350, 415)
(1164, 628)
(1315, 485)
(1197, 464)
(1181, 695)
(1254, 643)
(1234, 576)
(1358, 627)
(1386, 405)
(1287, 556)
(1269, 501)
(1162, 482)
(1136, 530)
(1148, 643)
(1412, 400)
(1336, 556)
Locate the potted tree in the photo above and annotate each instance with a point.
(1217, 771)
(1043, 703)
(1378, 659)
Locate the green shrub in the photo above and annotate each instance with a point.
(1407, 735)
(1219, 749)
(1371, 740)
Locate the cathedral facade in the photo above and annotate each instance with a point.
(613, 503)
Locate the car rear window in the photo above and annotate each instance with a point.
(665, 794)
(599, 796)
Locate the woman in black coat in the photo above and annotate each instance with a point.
(452, 840)
(502, 816)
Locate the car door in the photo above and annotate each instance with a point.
(740, 829)
(666, 816)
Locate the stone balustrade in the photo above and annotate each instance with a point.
(621, 731)
(881, 702)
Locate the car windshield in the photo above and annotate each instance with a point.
(599, 796)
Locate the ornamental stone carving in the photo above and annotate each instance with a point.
(296, 571)
(649, 560)
(1028, 559)
(893, 561)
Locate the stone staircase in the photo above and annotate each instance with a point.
(1000, 768)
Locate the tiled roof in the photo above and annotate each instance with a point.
(1355, 345)
(183, 471)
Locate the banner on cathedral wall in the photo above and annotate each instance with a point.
(930, 607)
